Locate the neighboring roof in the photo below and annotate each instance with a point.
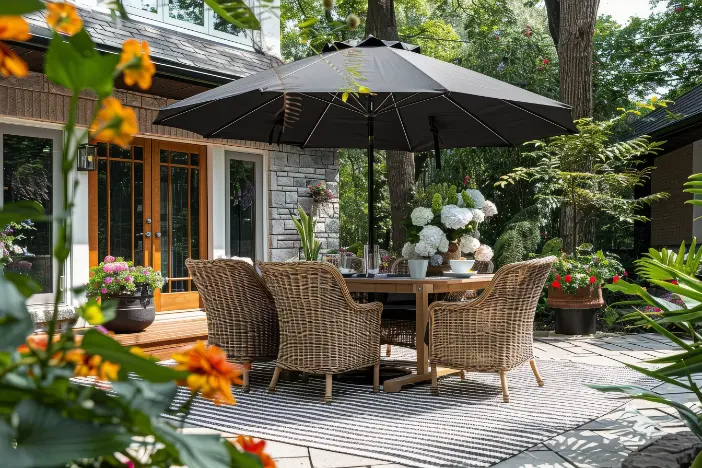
(659, 122)
(170, 48)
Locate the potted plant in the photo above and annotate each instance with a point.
(131, 287)
(575, 289)
(320, 193)
(305, 225)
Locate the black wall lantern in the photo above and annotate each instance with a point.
(87, 157)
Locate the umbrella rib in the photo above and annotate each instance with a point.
(280, 78)
(178, 114)
(386, 98)
(243, 116)
(409, 145)
(478, 120)
(317, 124)
(347, 107)
(392, 107)
(334, 96)
(537, 115)
(389, 108)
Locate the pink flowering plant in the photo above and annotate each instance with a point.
(320, 192)
(113, 276)
(584, 269)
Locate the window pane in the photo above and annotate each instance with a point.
(102, 149)
(242, 192)
(178, 157)
(121, 209)
(190, 11)
(138, 153)
(144, 5)
(102, 209)
(27, 175)
(194, 159)
(164, 156)
(138, 213)
(119, 152)
(194, 214)
(179, 221)
(224, 26)
(165, 229)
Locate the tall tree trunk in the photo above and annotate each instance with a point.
(400, 164)
(572, 27)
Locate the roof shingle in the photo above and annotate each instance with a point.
(688, 105)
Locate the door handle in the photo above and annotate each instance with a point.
(158, 235)
(148, 234)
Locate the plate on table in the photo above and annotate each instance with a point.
(461, 275)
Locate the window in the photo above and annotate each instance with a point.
(244, 216)
(190, 14)
(30, 161)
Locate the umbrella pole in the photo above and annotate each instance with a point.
(371, 176)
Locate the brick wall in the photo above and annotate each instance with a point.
(291, 169)
(671, 219)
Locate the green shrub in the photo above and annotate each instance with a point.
(516, 242)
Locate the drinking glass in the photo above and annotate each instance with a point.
(372, 259)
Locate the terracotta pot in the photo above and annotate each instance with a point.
(134, 312)
(584, 298)
(454, 252)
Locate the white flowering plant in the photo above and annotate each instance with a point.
(10, 235)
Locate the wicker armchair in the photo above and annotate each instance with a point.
(493, 333)
(322, 330)
(241, 315)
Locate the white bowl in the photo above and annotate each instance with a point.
(461, 266)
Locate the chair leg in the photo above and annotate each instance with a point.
(388, 350)
(535, 370)
(328, 392)
(376, 378)
(245, 372)
(274, 381)
(463, 375)
(505, 389)
(434, 380)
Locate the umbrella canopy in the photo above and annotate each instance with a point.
(417, 103)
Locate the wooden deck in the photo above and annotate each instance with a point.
(163, 338)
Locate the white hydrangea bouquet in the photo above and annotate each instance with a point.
(449, 227)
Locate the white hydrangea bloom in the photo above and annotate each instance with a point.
(431, 235)
(443, 245)
(454, 217)
(424, 249)
(476, 234)
(484, 253)
(421, 216)
(478, 198)
(478, 215)
(489, 209)
(469, 244)
(408, 251)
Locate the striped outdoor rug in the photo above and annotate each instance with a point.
(467, 425)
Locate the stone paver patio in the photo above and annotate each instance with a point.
(603, 442)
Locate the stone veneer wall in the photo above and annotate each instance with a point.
(291, 172)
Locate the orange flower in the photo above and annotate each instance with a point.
(14, 28)
(248, 444)
(136, 64)
(210, 372)
(92, 366)
(10, 63)
(63, 18)
(114, 123)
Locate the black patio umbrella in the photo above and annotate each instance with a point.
(416, 103)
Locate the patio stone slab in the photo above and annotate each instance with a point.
(299, 462)
(537, 459)
(585, 449)
(282, 450)
(328, 459)
(393, 465)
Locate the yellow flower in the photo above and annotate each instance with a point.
(92, 313)
(14, 28)
(10, 63)
(63, 18)
(137, 351)
(93, 366)
(211, 374)
(114, 123)
(136, 64)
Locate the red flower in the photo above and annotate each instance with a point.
(675, 282)
(545, 61)
(615, 279)
(593, 280)
(680, 9)
(319, 185)
(626, 274)
(556, 284)
(466, 179)
(540, 68)
(558, 277)
(568, 278)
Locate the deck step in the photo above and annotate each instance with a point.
(163, 338)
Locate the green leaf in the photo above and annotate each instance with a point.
(15, 321)
(151, 398)
(21, 211)
(197, 450)
(24, 284)
(235, 12)
(307, 23)
(20, 7)
(45, 438)
(95, 342)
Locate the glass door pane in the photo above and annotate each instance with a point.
(27, 168)
(242, 209)
(121, 198)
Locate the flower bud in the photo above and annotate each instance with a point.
(353, 22)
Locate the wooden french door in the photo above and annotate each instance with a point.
(148, 204)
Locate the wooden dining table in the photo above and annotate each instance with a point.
(421, 288)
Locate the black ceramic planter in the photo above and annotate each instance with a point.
(576, 321)
(134, 312)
